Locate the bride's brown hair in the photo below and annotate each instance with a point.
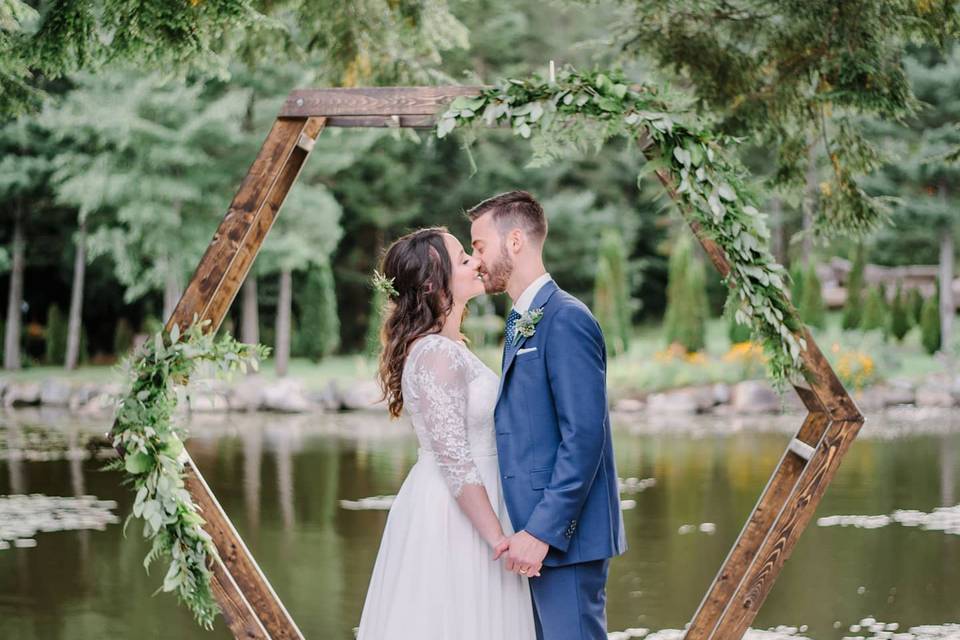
(421, 270)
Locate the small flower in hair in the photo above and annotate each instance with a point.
(384, 284)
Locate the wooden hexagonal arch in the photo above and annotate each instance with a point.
(250, 606)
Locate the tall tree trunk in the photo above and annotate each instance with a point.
(810, 200)
(11, 344)
(282, 346)
(249, 314)
(172, 290)
(76, 296)
(947, 307)
(778, 244)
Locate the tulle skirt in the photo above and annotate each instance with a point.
(434, 577)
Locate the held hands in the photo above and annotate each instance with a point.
(525, 553)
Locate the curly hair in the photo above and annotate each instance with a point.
(421, 270)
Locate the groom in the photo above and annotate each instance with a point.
(553, 428)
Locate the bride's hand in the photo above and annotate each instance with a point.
(500, 546)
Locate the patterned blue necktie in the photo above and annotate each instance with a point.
(509, 331)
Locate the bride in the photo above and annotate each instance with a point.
(436, 575)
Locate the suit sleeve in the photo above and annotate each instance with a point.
(576, 370)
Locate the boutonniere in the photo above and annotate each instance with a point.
(527, 324)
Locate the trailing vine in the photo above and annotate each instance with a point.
(582, 110)
(152, 454)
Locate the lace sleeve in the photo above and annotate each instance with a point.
(441, 375)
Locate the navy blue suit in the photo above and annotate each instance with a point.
(556, 463)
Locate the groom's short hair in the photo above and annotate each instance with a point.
(514, 209)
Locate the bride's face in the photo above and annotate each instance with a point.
(465, 280)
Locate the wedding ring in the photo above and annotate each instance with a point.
(524, 571)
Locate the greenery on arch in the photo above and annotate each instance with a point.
(581, 110)
(152, 456)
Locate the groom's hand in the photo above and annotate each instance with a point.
(526, 552)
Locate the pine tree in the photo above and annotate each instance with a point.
(853, 308)
(900, 321)
(611, 293)
(319, 326)
(685, 318)
(874, 311)
(812, 310)
(56, 336)
(930, 324)
(915, 305)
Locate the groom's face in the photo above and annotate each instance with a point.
(496, 264)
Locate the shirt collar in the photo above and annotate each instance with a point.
(522, 305)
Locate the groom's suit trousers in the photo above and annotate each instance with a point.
(569, 601)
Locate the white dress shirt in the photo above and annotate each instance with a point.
(523, 303)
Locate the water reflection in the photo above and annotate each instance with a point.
(281, 478)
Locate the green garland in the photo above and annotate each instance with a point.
(583, 110)
(151, 446)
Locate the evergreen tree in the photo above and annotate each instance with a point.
(812, 309)
(900, 321)
(874, 311)
(915, 305)
(788, 73)
(319, 325)
(56, 336)
(853, 308)
(685, 319)
(930, 325)
(611, 298)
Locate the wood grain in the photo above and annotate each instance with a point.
(250, 606)
(372, 101)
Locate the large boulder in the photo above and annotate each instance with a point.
(55, 393)
(22, 394)
(362, 395)
(681, 401)
(286, 396)
(754, 396)
(246, 393)
(931, 394)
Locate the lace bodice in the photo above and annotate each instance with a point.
(449, 395)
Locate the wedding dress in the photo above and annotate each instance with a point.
(434, 577)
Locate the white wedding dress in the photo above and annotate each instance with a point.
(434, 577)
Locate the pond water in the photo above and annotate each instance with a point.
(67, 572)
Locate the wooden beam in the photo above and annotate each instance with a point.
(250, 606)
(235, 244)
(793, 491)
(372, 101)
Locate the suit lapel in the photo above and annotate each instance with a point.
(540, 300)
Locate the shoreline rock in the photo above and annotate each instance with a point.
(289, 395)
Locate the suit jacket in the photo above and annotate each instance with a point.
(553, 434)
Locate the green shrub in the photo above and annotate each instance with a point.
(687, 310)
(900, 320)
(930, 325)
(56, 336)
(874, 311)
(852, 309)
(318, 334)
(611, 293)
(812, 309)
